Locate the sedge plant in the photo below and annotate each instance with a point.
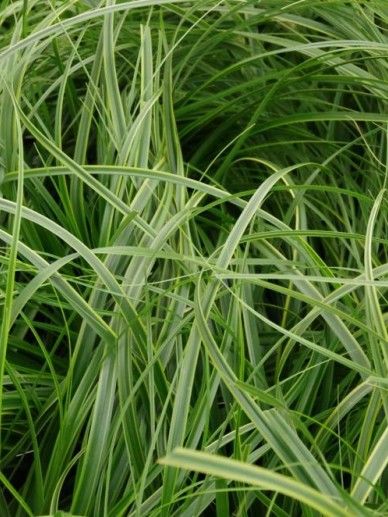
(194, 260)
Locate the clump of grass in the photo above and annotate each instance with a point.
(193, 266)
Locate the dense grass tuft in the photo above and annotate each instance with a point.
(194, 259)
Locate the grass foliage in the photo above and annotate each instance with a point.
(193, 258)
